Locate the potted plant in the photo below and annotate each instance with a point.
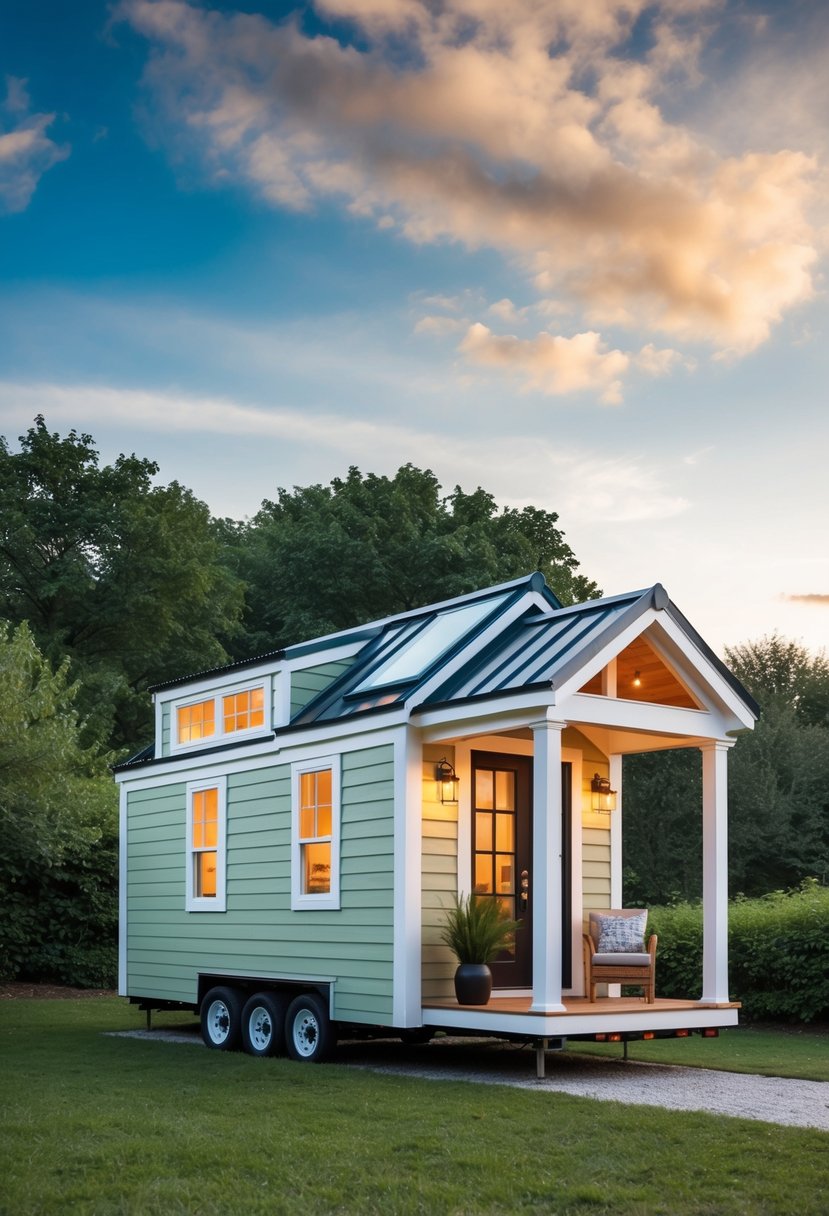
(476, 930)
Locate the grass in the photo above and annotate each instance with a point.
(770, 1051)
(93, 1124)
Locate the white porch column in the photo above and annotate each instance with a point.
(715, 870)
(546, 871)
(615, 767)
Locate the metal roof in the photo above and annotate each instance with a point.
(361, 688)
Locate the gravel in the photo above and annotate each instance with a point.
(488, 1062)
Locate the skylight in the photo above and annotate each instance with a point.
(429, 643)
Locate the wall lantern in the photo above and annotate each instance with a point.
(447, 779)
(603, 798)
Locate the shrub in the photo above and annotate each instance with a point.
(778, 953)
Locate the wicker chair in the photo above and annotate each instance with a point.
(618, 966)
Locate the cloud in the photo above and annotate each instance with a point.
(552, 364)
(809, 598)
(458, 122)
(566, 478)
(26, 151)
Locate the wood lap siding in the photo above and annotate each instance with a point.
(306, 684)
(439, 877)
(259, 934)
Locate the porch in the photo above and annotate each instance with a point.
(608, 1017)
(579, 1016)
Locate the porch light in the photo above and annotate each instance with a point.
(637, 680)
(448, 781)
(603, 798)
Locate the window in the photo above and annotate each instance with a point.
(244, 710)
(206, 846)
(196, 722)
(212, 719)
(315, 868)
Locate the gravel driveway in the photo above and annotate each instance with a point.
(489, 1062)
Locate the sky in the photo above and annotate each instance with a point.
(571, 251)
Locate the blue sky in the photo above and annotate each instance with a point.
(572, 252)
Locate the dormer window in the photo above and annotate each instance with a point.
(221, 717)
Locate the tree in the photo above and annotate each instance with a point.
(59, 826)
(322, 558)
(778, 789)
(121, 576)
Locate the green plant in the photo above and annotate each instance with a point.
(778, 953)
(477, 929)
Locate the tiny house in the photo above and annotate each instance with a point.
(293, 839)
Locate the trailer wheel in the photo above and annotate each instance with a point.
(221, 1019)
(263, 1024)
(308, 1031)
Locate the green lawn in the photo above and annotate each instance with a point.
(93, 1124)
(802, 1054)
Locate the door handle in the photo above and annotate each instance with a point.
(525, 888)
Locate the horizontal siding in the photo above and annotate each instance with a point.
(259, 934)
(306, 684)
(439, 879)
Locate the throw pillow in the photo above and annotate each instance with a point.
(622, 934)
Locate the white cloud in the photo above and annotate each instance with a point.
(550, 363)
(26, 151)
(567, 478)
(565, 161)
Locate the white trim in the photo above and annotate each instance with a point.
(575, 758)
(564, 1024)
(217, 902)
(547, 880)
(300, 901)
(220, 735)
(715, 870)
(247, 759)
(615, 772)
(213, 683)
(122, 891)
(407, 933)
(158, 716)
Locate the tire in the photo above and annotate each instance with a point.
(221, 1019)
(309, 1035)
(263, 1024)
(416, 1035)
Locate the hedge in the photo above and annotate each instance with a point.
(778, 950)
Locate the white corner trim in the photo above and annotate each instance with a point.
(122, 891)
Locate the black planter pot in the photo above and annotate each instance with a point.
(473, 983)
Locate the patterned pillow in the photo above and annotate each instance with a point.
(622, 934)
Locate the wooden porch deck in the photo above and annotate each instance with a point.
(578, 1005)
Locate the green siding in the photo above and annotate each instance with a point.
(307, 683)
(165, 730)
(259, 934)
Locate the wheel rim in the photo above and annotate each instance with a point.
(260, 1028)
(218, 1021)
(306, 1032)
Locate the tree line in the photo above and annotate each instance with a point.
(110, 582)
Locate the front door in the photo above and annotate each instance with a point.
(502, 856)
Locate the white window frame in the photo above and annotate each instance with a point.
(220, 735)
(331, 899)
(217, 902)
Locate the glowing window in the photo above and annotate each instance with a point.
(205, 846)
(315, 870)
(196, 721)
(244, 710)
